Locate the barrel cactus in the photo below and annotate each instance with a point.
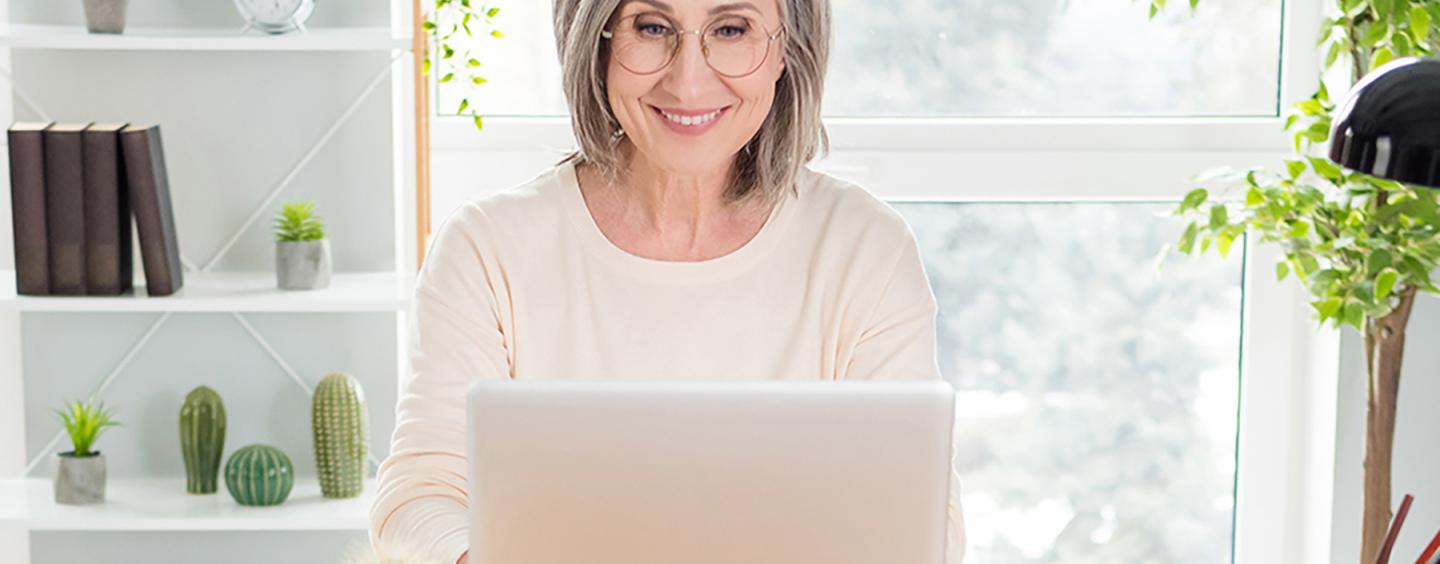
(341, 432)
(259, 475)
(202, 439)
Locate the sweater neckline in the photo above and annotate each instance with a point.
(673, 272)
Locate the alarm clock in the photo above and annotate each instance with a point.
(275, 16)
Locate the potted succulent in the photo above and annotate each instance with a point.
(105, 16)
(80, 473)
(302, 253)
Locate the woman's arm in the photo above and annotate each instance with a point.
(455, 339)
(898, 343)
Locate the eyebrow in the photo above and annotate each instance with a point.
(727, 7)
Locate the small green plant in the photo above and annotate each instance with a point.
(84, 422)
(297, 222)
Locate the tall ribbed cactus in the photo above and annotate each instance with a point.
(202, 439)
(341, 431)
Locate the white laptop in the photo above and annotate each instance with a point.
(577, 472)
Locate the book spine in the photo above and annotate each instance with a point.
(27, 212)
(108, 265)
(65, 211)
(149, 191)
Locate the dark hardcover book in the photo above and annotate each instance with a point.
(109, 268)
(27, 207)
(149, 189)
(65, 207)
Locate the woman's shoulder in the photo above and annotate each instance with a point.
(847, 206)
(528, 205)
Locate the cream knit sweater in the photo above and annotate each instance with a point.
(523, 284)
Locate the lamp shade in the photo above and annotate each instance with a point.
(1389, 126)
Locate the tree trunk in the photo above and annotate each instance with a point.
(1384, 349)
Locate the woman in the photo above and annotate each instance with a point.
(684, 239)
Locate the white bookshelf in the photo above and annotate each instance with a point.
(232, 292)
(24, 36)
(163, 505)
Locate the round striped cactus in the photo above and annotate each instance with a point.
(202, 439)
(259, 475)
(341, 431)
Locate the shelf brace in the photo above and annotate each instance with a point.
(104, 383)
(305, 160)
(285, 367)
(24, 96)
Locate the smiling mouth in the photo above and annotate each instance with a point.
(691, 120)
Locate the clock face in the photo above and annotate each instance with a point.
(275, 12)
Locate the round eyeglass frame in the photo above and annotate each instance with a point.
(704, 48)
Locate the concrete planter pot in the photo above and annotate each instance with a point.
(105, 16)
(302, 265)
(79, 480)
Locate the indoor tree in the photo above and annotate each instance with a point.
(1363, 247)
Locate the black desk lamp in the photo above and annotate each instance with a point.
(1390, 124)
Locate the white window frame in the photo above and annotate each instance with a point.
(1289, 367)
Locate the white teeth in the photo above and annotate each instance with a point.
(690, 120)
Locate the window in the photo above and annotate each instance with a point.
(1097, 398)
(975, 58)
(1033, 146)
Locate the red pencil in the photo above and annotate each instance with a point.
(1395, 525)
(1428, 557)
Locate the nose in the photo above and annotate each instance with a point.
(689, 73)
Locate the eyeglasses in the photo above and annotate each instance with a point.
(734, 45)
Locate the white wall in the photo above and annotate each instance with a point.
(1417, 438)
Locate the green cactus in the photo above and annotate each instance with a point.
(341, 431)
(259, 475)
(202, 439)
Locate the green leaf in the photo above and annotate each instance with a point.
(1187, 240)
(1379, 260)
(492, 12)
(1318, 132)
(472, 63)
(1310, 107)
(1307, 264)
(1194, 199)
(1296, 168)
(1354, 314)
(1420, 23)
(447, 77)
(1376, 33)
(478, 80)
(1299, 229)
(1223, 242)
(1336, 49)
(1282, 269)
(1385, 283)
(464, 103)
(496, 34)
(1381, 56)
(1254, 197)
(1329, 308)
(479, 123)
(1401, 44)
(1326, 169)
(1219, 216)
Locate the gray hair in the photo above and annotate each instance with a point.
(791, 135)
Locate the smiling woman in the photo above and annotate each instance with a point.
(685, 238)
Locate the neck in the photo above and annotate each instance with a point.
(673, 204)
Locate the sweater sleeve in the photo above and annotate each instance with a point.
(456, 338)
(898, 343)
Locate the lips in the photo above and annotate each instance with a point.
(690, 122)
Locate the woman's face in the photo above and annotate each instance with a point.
(687, 117)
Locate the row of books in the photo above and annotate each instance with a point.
(73, 189)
